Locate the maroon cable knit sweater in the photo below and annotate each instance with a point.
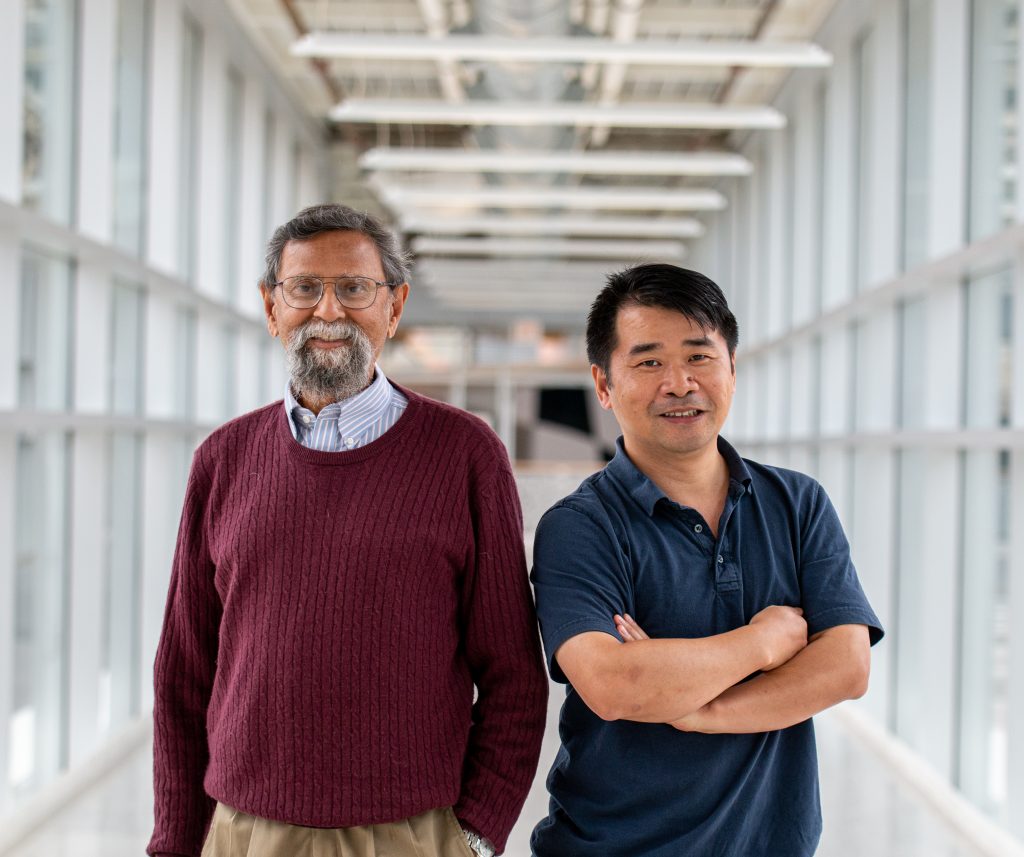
(327, 619)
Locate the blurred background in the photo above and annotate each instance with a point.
(847, 170)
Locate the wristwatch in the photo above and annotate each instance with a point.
(479, 845)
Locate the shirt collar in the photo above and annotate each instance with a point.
(375, 399)
(642, 489)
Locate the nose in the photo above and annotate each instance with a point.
(329, 308)
(678, 380)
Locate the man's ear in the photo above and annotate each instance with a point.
(268, 308)
(602, 386)
(399, 294)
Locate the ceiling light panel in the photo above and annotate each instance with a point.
(582, 163)
(573, 198)
(541, 247)
(528, 113)
(621, 227)
(544, 49)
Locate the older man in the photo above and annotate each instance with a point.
(349, 567)
(737, 570)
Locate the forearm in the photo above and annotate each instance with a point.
(831, 669)
(655, 681)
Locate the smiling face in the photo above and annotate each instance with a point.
(332, 349)
(670, 384)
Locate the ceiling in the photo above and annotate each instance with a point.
(526, 147)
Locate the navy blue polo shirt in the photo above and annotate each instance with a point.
(619, 545)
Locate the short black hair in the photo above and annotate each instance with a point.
(663, 286)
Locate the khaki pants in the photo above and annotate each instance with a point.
(435, 833)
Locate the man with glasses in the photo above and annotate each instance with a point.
(349, 568)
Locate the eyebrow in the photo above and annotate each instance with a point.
(647, 347)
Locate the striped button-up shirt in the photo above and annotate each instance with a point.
(349, 424)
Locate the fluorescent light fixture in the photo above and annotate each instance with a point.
(528, 271)
(669, 115)
(585, 163)
(683, 199)
(580, 249)
(620, 227)
(543, 49)
(528, 275)
(511, 300)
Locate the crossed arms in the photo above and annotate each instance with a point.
(693, 684)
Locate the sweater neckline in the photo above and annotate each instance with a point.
(306, 455)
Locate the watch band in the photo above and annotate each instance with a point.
(478, 844)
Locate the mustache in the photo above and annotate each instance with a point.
(316, 328)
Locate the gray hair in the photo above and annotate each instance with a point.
(334, 217)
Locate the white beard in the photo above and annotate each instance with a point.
(333, 374)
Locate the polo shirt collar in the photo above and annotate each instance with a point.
(647, 494)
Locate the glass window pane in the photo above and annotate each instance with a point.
(295, 177)
(985, 631)
(126, 336)
(184, 377)
(993, 183)
(916, 160)
(37, 727)
(913, 364)
(989, 356)
(268, 175)
(130, 125)
(864, 110)
(44, 349)
(119, 671)
(229, 369)
(47, 159)
(191, 79)
(234, 142)
(911, 649)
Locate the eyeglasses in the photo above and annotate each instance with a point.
(305, 292)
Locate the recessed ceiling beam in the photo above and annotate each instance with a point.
(620, 227)
(541, 247)
(583, 163)
(528, 113)
(583, 49)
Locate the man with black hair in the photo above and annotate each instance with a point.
(700, 607)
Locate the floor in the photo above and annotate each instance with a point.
(867, 809)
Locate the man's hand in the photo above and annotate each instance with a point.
(785, 633)
(813, 676)
(784, 630)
